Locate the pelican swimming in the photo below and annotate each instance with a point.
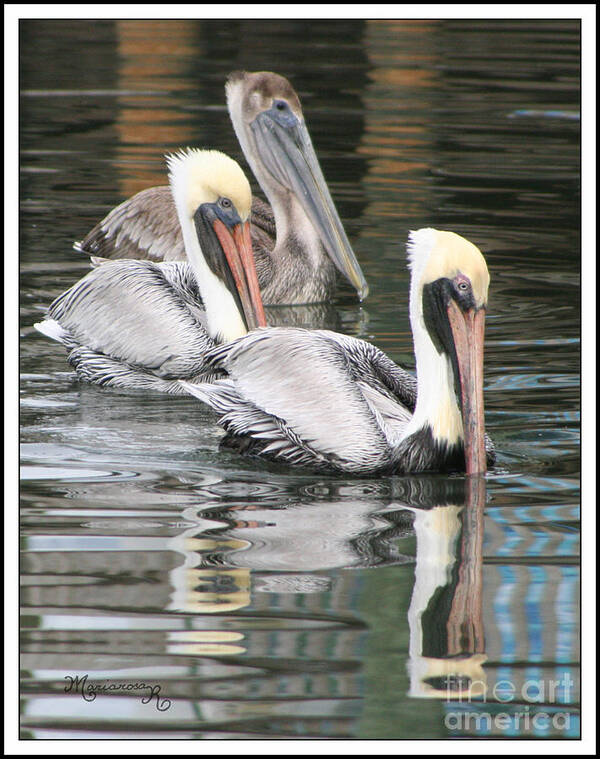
(145, 325)
(333, 402)
(298, 243)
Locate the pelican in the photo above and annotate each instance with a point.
(297, 245)
(332, 402)
(141, 324)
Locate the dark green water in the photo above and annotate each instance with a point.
(267, 602)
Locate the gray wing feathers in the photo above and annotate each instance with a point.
(380, 371)
(317, 386)
(139, 313)
(107, 372)
(391, 416)
(262, 228)
(144, 227)
(243, 418)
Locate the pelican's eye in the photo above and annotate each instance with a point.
(281, 105)
(463, 291)
(225, 203)
(462, 283)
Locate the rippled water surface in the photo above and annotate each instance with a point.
(255, 601)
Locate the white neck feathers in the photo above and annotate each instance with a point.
(437, 406)
(197, 177)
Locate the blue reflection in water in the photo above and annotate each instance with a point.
(566, 610)
(503, 612)
(533, 598)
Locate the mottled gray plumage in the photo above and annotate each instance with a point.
(144, 227)
(295, 415)
(134, 324)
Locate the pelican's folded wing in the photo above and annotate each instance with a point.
(144, 227)
(309, 393)
(136, 312)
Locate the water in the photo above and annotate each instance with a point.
(259, 602)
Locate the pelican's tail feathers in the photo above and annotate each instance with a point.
(263, 433)
(53, 330)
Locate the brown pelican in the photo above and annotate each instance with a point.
(141, 324)
(298, 264)
(333, 402)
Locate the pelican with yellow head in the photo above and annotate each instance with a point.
(145, 325)
(332, 402)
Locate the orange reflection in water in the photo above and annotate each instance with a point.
(154, 57)
(403, 61)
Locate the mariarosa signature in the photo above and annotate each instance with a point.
(89, 690)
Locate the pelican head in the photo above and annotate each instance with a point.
(213, 200)
(448, 299)
(267, 118)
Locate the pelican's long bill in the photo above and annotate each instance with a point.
(227, 248)
(467, 330)
(285, 148)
